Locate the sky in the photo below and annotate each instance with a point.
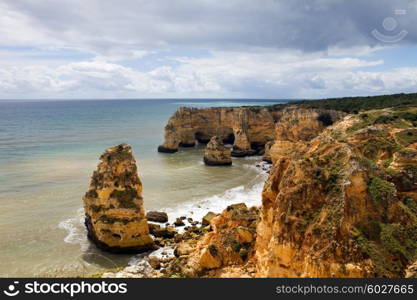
(273, 49)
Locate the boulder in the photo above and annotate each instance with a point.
(216, 153)
(207, 218)
(113, 204)
(157, 216)
(210, 258)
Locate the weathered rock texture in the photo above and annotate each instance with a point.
(267, 152)
(247, 128)
(342, 204)
(340, 201)
(229, 243)
(216, 154)
(113, 204)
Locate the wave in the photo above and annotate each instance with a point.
(76, 232)
(250, 194)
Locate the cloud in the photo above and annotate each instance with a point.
(224, 74)
(202, 48)
(109, 27)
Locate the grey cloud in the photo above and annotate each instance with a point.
(306, 25)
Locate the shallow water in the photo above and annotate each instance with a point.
(48, 151)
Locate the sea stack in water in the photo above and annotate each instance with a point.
(113, 204)
(216, 153)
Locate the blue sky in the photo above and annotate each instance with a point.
(206, 48)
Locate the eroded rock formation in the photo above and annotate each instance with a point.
(340, 201)
(342, 204)
(113, 204)
(247, 128)
(244, 127)
(216, 154)
(229, 243)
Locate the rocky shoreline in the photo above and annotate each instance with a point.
(175, 242)
(340, 199)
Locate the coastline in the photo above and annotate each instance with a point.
(250, 194)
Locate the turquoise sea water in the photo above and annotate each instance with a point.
(48, 151)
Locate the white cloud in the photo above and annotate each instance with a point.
(224, 74)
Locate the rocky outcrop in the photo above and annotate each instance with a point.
(244, 127)
(267, 152)
(342, 204)
(113, 204)
(216, 154)
(247, 128)
(229, 243)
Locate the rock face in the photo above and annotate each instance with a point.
(216, 154)
(247, 128)
(340, 201)
(244, 127)
(113, 204)
(342, 204)
(230, 243)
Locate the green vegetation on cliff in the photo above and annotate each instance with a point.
(356, 104)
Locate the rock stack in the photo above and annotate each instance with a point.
(267, 154)
(216, 153)
(113, 204)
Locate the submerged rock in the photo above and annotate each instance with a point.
(216, 153)
(113, 204)
(157, 216)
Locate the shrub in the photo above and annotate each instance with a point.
(380, 189)
(325, 119)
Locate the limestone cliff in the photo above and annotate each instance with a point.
(216, 154)
(340, 201)
(113, 204)
(342, 204)
(247, 128)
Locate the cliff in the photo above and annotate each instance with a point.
(343, 204)
(340, 200)
(247, 128)
(113, 204)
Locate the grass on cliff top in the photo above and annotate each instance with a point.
(399, 119)
(407, 137)
(356, 104)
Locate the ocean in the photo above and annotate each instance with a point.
(48, 151)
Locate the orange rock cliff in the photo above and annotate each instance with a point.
(340, 200)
